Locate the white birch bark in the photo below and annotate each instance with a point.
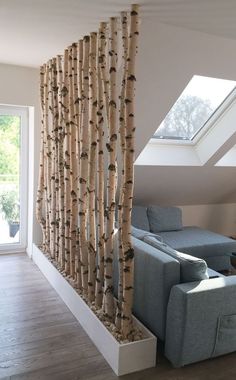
(83, 179)
(66, 153)
(79, 144)
(100, 179)
(61, 136)
(55, 172)
(103, 61)
(112, 172)
(128, 265)
(74, 248)
(40, 192)
(92, 166)
(124, 28)
(47, 159)
(73, 165)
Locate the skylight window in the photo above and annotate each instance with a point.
(195, 106)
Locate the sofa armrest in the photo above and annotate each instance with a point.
(198, 317)
(155, 273)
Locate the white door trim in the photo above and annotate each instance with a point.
(23, 112)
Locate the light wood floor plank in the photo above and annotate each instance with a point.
(41, 340)
(83, 353)
(24, 335)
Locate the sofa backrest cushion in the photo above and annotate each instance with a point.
(191, 268)
(139, 218)
(164, 218)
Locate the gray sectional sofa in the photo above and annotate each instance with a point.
(188, 305)
(166, 222)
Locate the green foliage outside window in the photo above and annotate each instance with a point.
(9, 167)
(9, 205)
(9, 148)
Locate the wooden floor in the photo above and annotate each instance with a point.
(41, 340)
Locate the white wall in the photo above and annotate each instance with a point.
(20, 86)
(168, 58)
(219, 218)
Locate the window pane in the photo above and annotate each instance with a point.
(194, 107)
(9, 178)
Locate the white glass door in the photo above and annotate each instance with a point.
(13, 178)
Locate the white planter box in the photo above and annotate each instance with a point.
(123, 358)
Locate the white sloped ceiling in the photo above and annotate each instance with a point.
(34, 31)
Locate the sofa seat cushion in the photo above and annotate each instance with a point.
(219, 263)
(139, 218)
(199, 243)
(191, 268)
(213, 274)
(164, 218)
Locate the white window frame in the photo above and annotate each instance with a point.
(23, 113)
(207, 148)
(227, 102)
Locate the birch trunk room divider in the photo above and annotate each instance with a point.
(87, 104)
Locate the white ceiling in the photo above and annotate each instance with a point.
(33, 31)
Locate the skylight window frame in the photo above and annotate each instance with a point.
(226, 103)
(216, 115)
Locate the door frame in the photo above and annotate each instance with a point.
(23, 112)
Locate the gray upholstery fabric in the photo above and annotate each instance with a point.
(199, 242)
(226, 335)
(219, 262)
(192, 318)
(139, 218)
(164, 218)
(154, 275)
(191, 268)
(212, 273)
(185, 315)
(140, 234)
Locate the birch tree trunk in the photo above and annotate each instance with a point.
(92, 165)
(74, 169)
(40, 193)
(128, 267)
(124, 24)
(83, 180)
(47, 160)
(100, 178)
(66, 152)
(103, 65)
(61, 136)
(73, 165)
(46, 223)
(112, 171)
(50, 166)
(79, 144)
(55, 173)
